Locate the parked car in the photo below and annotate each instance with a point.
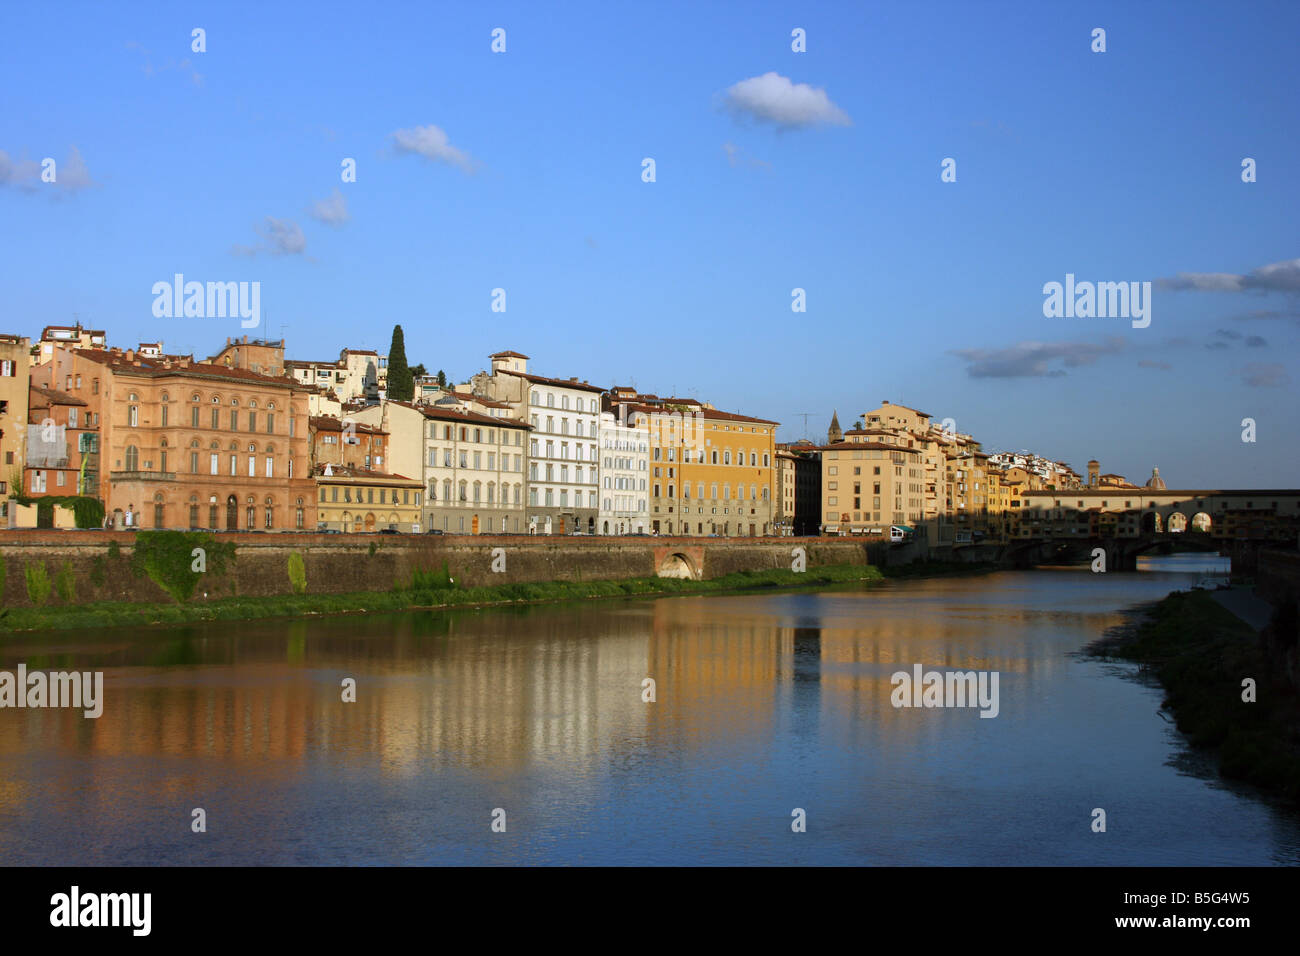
(389, 531)
(435, 531)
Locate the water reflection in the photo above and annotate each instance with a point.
(762, 703)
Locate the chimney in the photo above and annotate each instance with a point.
(130, 355)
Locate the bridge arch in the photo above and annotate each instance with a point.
(678, 565)
(1201, 522)
(1177, 522)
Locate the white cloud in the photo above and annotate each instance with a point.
(1276, 277)
(432, 143)
(332, 211)
(773, 98)
(285, 236)
(70, 175)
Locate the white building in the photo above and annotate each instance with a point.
(358, 375)
(563, 488)
(624, 468)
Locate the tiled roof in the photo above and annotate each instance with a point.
(55, 397)
(157, 367)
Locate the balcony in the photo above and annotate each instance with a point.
(142, 476)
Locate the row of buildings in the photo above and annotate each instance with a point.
(249, 440)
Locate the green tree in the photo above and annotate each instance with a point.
(401, 384)
(442, 378)
(419, 371)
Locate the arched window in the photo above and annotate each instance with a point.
(132, 458)
(297, 515)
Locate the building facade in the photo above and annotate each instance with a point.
(563, 486)
(624, 470)
(192, 445)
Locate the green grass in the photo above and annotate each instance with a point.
(293, 605)
(1200, 652)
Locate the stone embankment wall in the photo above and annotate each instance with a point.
(337, 564)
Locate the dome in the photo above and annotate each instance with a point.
(1155, 482)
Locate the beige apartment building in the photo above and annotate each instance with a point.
(358, 375)
(867, 487)
(471, 465)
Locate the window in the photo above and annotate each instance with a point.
(132, 458)
(194, 416)
(213, 467)
(133, 416)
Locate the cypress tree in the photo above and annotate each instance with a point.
(401, 384)
(442, 378)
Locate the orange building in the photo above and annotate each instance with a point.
(189, 444)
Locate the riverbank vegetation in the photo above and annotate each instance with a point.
(429, 589)
(1201, 653)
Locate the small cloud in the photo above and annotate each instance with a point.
(1268, 315)
(1277, 277)
(24, 174)
(772, 98)
(1263, 374)
(285, 236)
(1217, 346)
(333, 211)
(1151, 363)
(1034, 359)
(70, 175)
(432, 143)
(1255, 342)
(1227, 334)
(184, 66)
(736, 157)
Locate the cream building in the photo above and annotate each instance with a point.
(470, 464)
(357, 375)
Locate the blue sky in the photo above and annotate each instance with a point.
(1115, 166)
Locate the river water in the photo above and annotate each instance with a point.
(764, 704)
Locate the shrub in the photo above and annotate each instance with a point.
(297, 573)
(430, 580)
(65, 584)
(114, 550)
(38, 583)
(166, 557)
(373, 549)
(97, 575)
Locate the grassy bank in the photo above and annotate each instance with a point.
(1200, 652)
(408, 598)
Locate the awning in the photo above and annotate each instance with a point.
(903, 527)
(832, 529)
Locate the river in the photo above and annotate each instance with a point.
(764, 704)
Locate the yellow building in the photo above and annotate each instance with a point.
(356, 500)
(15, 364)
(711, 472)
